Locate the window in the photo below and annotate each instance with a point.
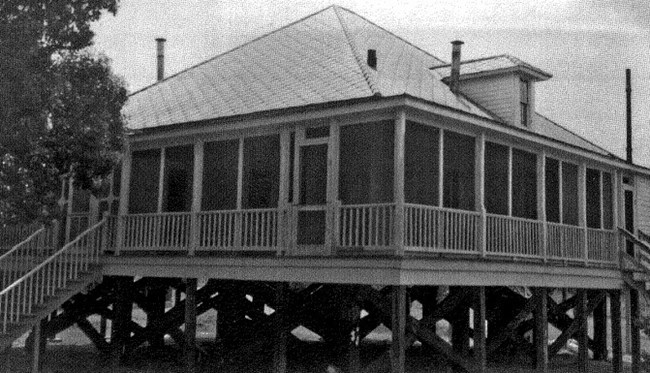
(496, 178)
(552, 190)
(421, 170)
(179, 170)
(593, 189)
(143, 190)
(569, 193)
(458, 171)
(366, 165)
(261, 177)
(608, 201)
(220, 164)
(524, 184)
(524, 97)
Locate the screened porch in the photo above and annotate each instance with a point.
(383, 187)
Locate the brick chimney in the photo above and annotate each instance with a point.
(454, 80)
(160, 48)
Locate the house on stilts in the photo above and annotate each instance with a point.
(330, 175)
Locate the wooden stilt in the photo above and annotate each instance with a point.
(635, 331)
(156, 299)
(7, 360)
(122, 310)
(102, 326)
(36, 348)
(540, 333)
(398, 315)
(280, 347)
(480, 347)
(600, 332)
(583, 335)
(460, 329)
(190, 324)
(617, 332)
(354, 358)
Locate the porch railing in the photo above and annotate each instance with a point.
(372, 226)
(367, 226)
(434, 229)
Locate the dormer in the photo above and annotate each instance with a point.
(503, 85)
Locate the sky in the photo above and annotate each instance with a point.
(585, 44)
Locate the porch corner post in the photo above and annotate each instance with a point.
(582, 209)
(283, 190)
(480, 193)
(398, 187)
(541, 203)
(197, 194)
(124, 197)
(333, 162)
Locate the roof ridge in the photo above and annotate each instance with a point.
(575, 134)
(234, 49)
(473, 60)
(367, 75)
(388, 31)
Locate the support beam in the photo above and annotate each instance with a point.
(600, 332)
(122, 308)
(617, 332)
(280, 346)
(583, 335)
(480, 351)
(635, 330)
(190, 324)
(156, 297)
(540, 333)
(398, 315)
(36, 348)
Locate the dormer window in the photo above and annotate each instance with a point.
(524, 98)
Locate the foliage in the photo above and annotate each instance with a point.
(60, 107)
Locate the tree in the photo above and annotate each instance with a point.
(60, 105)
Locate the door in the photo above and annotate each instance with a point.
(311, 188)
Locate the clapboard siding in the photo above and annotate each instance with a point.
(643, 203)
(499, 94)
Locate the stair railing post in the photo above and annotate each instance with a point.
(194, 233)
(483, 232)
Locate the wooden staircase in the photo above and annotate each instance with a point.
(636, 265)
(36, 277)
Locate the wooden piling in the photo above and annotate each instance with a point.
(280, 346)
(540, 332)
(635, 329)
(600, 332)
(190, 324)
(122, 308)
(583, 335)
(617, 333)
(480, 347)
(398, 315)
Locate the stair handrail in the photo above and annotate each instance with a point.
(11, 232)
(19, 298)
(641, 245)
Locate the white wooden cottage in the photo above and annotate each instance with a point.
(332, 151)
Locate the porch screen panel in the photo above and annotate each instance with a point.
(569, 193)
(261, 177)
(421, 164)
(593, 198)
(552, 190)
(366, 163)
(458, 171)
(524, 184)
(177, 186)
(143, 189)
(608, 207)
(220, 175)
(496, 178)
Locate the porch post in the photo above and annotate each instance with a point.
(197, 194)
(333, 155)
(240, 194)
(582, 208)
(541, 203)
(124, 196)
(161, 182)
(479, 176)
(398, 186)
(283, 187)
